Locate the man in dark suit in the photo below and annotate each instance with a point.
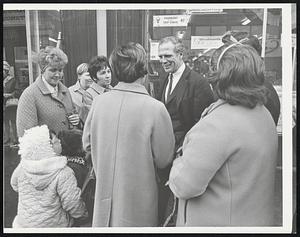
(185, 94)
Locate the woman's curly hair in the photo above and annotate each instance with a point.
(51, 56)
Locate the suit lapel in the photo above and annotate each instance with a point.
(180, 87)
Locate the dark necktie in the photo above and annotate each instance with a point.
(170, 85)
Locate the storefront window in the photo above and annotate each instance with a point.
(15, 47)
(204, 29)
(43, 28)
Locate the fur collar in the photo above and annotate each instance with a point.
(44, 166)
(40, 173)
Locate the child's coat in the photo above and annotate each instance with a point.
(48, 192)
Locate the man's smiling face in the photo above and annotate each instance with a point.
(169, 59)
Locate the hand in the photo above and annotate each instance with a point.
(74, 119)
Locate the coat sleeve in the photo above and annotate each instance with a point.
(14, 178)
(204, 152)
(162, 139)
(86, 136)
(26, 113)
(203, 97)
(69, 194)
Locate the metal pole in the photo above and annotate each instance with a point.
(264, 33)
(29, 50)
(58, 40)
(146, 45)
(37, 33)
(294, 63)
(101, 32)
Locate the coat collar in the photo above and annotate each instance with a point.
(180, 87)
(61, 90)
(131, 87)
(212, 107)
(97, 88)
(77, 87)
(41, 85)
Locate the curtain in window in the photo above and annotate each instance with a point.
(79, 35)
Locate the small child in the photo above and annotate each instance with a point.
(47, 187)
(71, 144)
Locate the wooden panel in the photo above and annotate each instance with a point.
(79, 40)
(124, 26)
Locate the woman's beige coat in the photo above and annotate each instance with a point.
(130, 135)
(226, 175)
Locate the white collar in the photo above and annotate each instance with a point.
(179, 71)
(50, 88)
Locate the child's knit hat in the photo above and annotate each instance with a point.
(35, 144)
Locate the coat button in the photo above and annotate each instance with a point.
(60, 105)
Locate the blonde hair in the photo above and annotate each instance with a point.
(82, 68)
(51, 56)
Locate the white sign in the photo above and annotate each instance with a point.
(154, 50)
(204, 10)
(14, 18)
(206, 42)
(170, 20)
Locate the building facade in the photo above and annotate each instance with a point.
(83, 34)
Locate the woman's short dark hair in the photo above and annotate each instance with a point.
(71, 142)
(238, 75)
(128, 62)
(96, 64)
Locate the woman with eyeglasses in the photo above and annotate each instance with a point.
(47, 100)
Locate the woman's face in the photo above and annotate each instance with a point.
(56, 145)
(85, 80)
(104, 77)
(53, 74)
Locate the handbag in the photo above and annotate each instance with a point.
(88, 191)
(11, 102)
